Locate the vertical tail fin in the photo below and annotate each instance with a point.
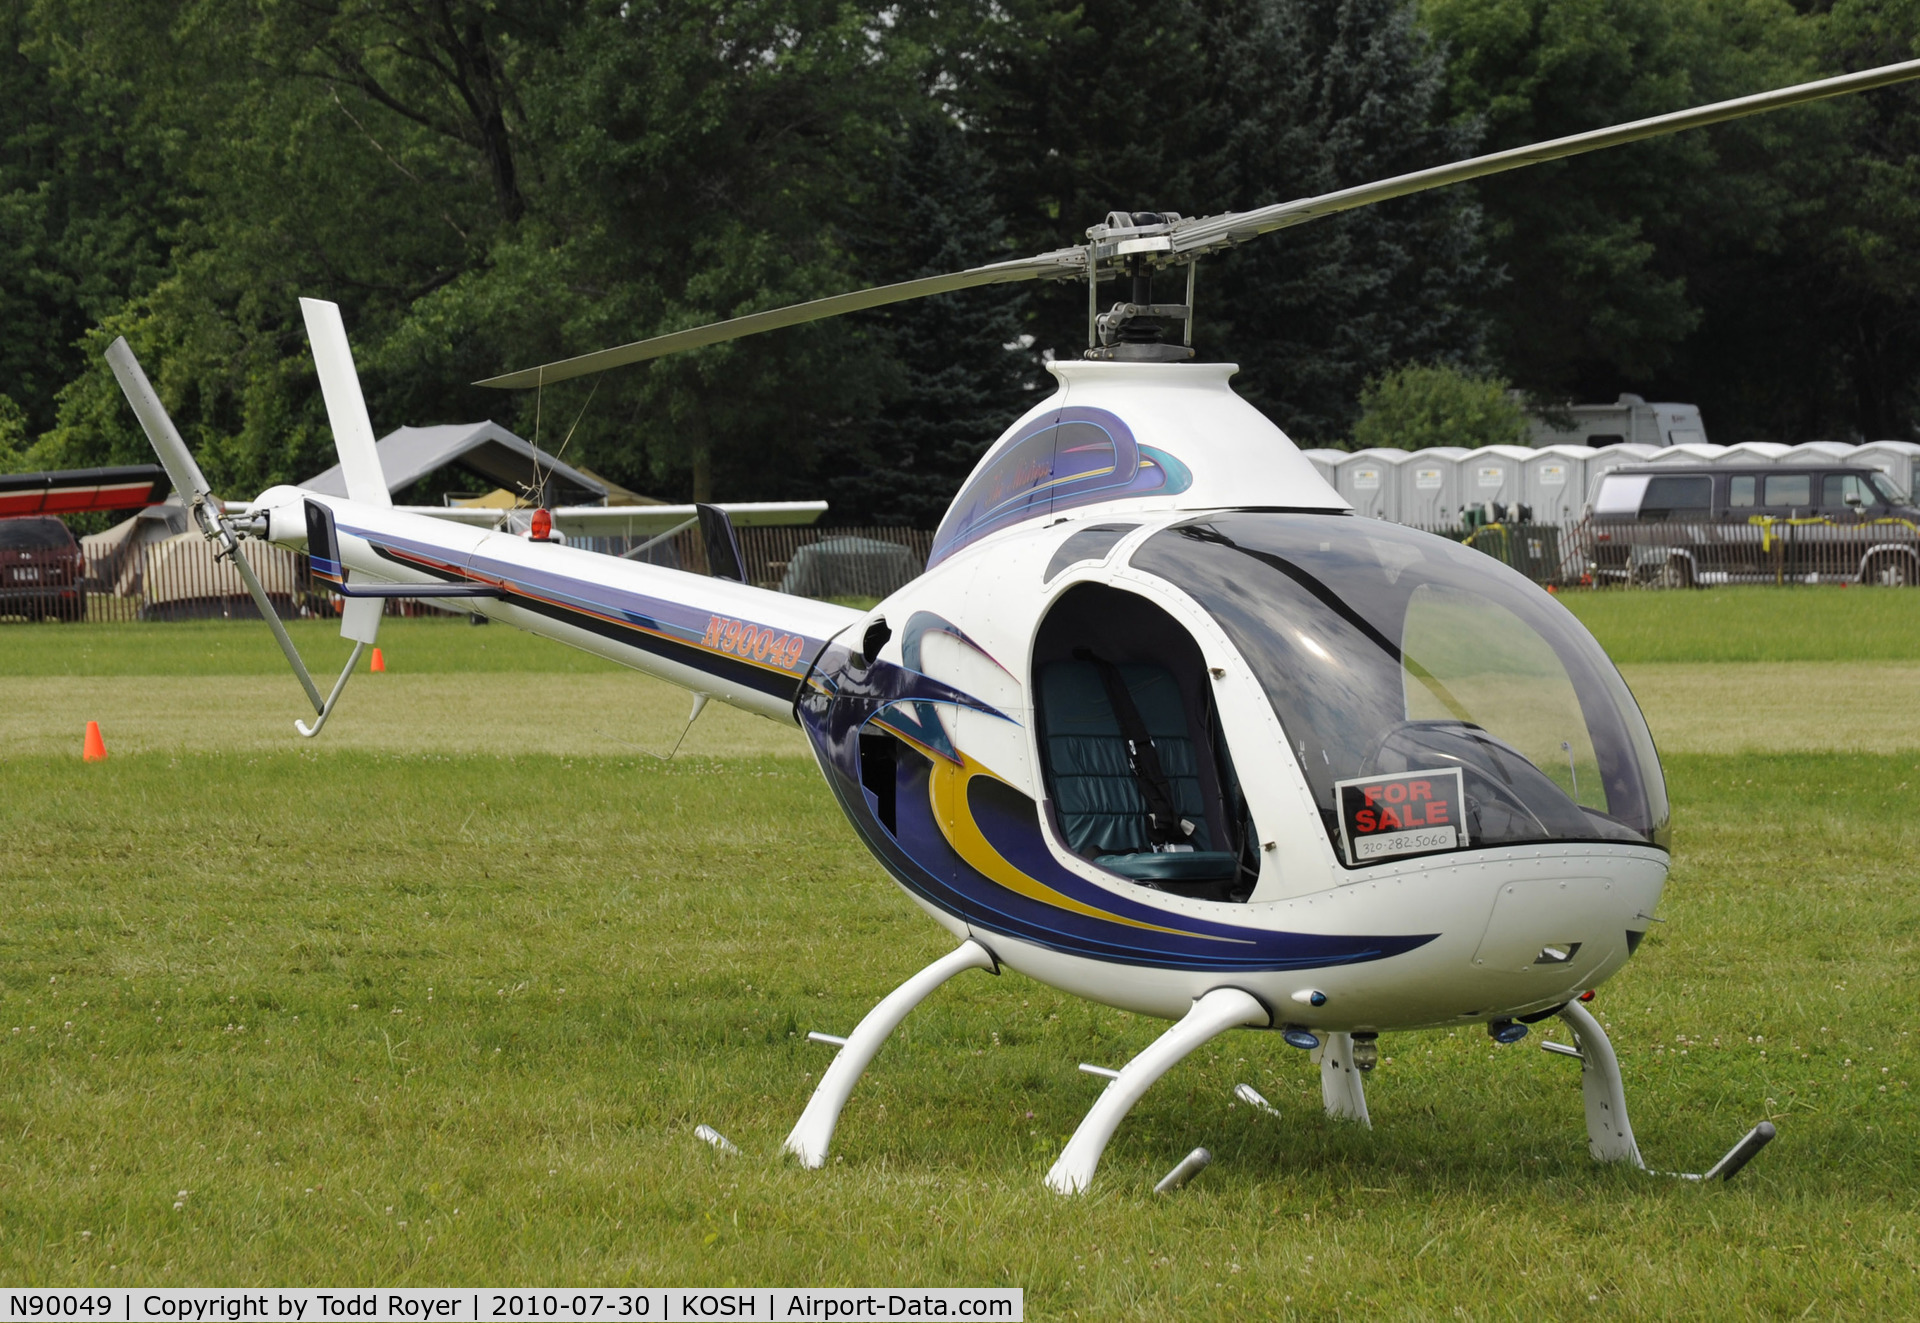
(346, 406)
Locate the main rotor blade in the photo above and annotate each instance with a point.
(1190, 239)
(1060, 263)
(1209, 233)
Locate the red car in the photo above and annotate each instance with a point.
(42, 570)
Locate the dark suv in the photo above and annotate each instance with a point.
(42, 570)
(1698, 524)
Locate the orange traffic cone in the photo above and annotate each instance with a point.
(95, 749)
(379, 662)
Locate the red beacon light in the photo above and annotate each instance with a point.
(542, 529)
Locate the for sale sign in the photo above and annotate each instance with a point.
(1382, 817)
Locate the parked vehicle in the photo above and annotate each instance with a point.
(1699, 524)
(1629, 420)
(42, 570)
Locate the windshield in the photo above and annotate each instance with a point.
(34, 533)
(1889, 494)
(1400, 663)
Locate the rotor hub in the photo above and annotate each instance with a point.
(1134, 331)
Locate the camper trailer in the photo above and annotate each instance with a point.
(1629, 420)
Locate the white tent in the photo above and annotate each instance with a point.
(486, 450)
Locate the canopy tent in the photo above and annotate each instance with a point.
(486, 450)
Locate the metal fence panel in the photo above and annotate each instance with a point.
(179, 578)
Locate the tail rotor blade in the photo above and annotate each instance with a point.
(272, 617)
(192, 486)
(166, 442)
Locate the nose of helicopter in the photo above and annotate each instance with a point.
(1513, 935)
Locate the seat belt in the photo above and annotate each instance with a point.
(1165, 826)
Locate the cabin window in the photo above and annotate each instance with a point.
(1390, 654)
(1840, 491)
(1742, 491)
(1113, 672)
(1677, 498)
(1790, 489)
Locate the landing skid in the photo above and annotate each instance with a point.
(1609, 1134)
(1343, 1090)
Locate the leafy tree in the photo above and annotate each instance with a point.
(85, 206)
(1415, 407)
(1762, 269)
(963, 373)
(1144, 105)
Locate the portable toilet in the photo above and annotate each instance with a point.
(1369, 481)
(1604, 461)
(1899, 460)
(1555, 483)
(1430, 488)
(1817, 452)
(1748, 453)
(1493, 473)
(1325, 462)
(1690, 453)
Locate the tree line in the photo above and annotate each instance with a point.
(485, 186)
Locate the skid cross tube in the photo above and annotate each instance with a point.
(1212, 1015)
(813, 1133)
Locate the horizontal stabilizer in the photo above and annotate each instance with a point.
(623, 520)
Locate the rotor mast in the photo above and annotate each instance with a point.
(1133, 331)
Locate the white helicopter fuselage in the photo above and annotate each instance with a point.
(973, 829)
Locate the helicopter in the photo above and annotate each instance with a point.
(1163, 724)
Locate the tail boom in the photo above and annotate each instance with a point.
(746, 646)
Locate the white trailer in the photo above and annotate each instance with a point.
(1629, 420)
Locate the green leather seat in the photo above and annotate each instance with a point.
(1096, 800)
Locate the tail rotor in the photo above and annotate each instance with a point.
(202, 505)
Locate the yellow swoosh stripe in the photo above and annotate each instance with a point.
(948, 788)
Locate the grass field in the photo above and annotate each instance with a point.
(445, 1005)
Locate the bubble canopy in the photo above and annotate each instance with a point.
(1396, 659)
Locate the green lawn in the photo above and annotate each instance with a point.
(438, 646)
(444, 1016)
(1747, 624)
